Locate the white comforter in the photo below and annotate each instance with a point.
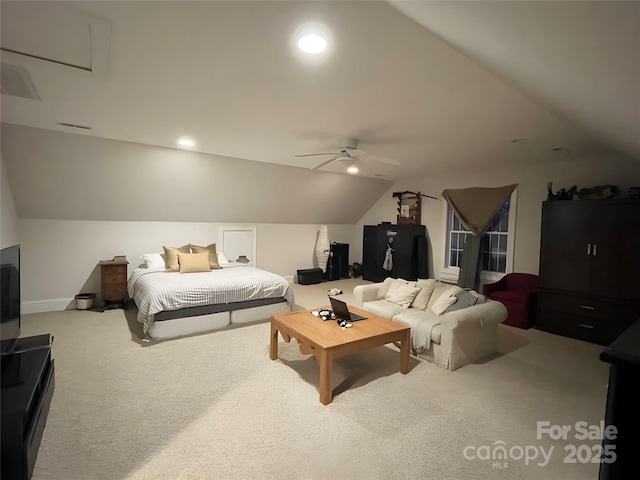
(156, 290)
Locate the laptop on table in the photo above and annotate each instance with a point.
(341, 311)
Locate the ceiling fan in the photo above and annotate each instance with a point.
(349, 146)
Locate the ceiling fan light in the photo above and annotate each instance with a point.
(353, 168)
(312, 44)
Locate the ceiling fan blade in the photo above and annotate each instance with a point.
(315, 154)
(324, 163)
(388, 161)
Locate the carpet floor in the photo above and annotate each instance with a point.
(214, 406)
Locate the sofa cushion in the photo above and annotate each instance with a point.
(510, 296)
(426, 290)
(464, 299)
(413, 317)
(403, 295)
(383, 308)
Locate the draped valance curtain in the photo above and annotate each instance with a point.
(475, 207)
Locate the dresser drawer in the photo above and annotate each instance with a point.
(114, 293)
(589, 307)
(590, 329)
(111, 279)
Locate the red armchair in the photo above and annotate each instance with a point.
(518, 292)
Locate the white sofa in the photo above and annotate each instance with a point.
(454, 339)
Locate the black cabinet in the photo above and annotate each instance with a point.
(338, 263)
(589, 263)
(408, 255)
(25, 405)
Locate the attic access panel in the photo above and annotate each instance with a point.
(55, 33)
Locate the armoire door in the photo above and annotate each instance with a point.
(565, 247)
(615, 255)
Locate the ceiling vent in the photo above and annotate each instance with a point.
(16, 81)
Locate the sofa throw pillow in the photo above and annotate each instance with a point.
(213, 256)
(384, 288)
(193, 262)
(426, 290)
(464, 299)
(442, 304)
(153, 260)
(404, 294)
(171, 256)
(397, 283)
(445, 300)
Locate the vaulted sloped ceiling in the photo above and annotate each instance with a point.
(432, 86)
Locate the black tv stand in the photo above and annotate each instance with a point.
(26, 398)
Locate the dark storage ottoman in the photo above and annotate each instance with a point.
(310, 276)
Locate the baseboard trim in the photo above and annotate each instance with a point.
(52, 305)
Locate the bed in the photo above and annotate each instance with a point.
(172, 304)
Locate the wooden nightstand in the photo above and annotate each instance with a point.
(113, 278)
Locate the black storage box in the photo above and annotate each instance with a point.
(310, 276)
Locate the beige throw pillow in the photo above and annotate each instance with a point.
(426, 290)
(445, 300)
(442, 304)
(397, 283)
(171, 256)
(384, 288)
(213, 256)
(404, 294)
(194, 262)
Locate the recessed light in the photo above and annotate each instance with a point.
(312, 44)
(186, 142)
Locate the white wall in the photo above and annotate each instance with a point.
(8, 217)
(60, 257)
(532, 191)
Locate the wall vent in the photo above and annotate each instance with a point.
(74, 125)
(16, 81)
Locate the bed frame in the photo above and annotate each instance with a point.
(192, 320)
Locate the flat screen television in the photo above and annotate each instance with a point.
(9, 298)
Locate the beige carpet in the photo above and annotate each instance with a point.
(215, 406)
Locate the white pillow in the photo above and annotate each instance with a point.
(445, 300)
(404, 294)
(442, 304)
(384, 288)
(426, 290)
(397, 283)
(222, 258)
(153, 260)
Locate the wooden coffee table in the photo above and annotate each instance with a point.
(326, 340)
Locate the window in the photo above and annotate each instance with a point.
(496, 249)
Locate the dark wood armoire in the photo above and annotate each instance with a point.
(589, 268)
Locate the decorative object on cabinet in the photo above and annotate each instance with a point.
(410, 207)
(113, 277)
(518, 292)
(322, 248)
(589, 259)
(599, 192)
(409, 256)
